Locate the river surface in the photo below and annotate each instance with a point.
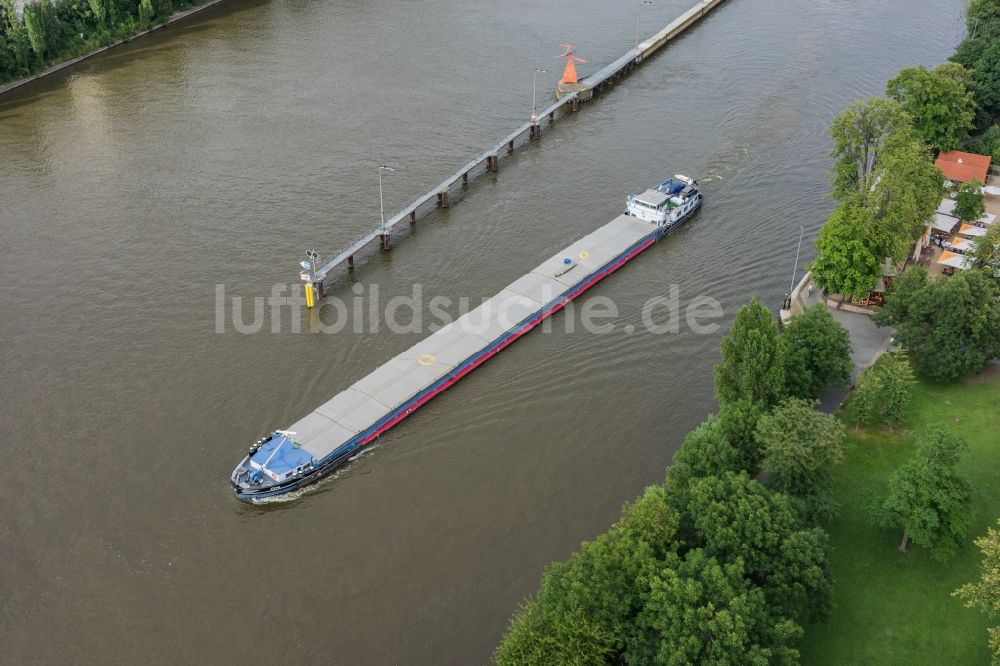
(217, 151)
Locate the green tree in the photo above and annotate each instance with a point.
(844, 262)
(751, 366)
(163, 10)
(99, 10)
(801, 446)
(860, 136)
(970, 204)
(737, 422)
(986, 78)
(706, 612)
(941, 107)
(734, 518)
(705, 452)
(896, 380)
(17, 38)
(904, 196)
(539, 636)
(985, 593)
(867, 397)
(8, 63)
(927, 499)
(816, 350)
(987, 144)
(585, 607)
(884, 175)
(951, 326)
(146, 13)
(986, 249)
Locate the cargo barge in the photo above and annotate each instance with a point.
(322, 441)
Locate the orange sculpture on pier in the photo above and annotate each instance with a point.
(569, 74)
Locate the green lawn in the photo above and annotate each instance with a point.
(895, 608)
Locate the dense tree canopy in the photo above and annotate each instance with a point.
(737, 519)
(751, 367)
(888, 187)
(861, 136)
(585, 608)
(938, 101)
(801, 446)
(711, 567)
(951, 326)
(927, 499)
(979, 53)
(52, 31)
(706, 612)
(816, 350)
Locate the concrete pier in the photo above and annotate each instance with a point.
(569, 98)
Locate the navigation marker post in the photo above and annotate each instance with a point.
(310, 278)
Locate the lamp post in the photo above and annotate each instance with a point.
(795, 269)
(638, 19)
(381, 204)
(534, 81)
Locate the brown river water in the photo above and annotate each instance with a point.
(217, 151)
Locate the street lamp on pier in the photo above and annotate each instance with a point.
(638, 20)
(534, 81)
(381, 203)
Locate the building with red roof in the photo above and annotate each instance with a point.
(960, 167)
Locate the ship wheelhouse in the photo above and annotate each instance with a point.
(666, 203)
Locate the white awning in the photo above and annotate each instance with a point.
(963, 244)
(992, 191)
(944, 222)
(987, 219)
(971, 230)
(947, 206)
(954, 260)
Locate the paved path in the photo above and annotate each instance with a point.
(867, 344)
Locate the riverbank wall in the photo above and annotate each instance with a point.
(174, 18)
